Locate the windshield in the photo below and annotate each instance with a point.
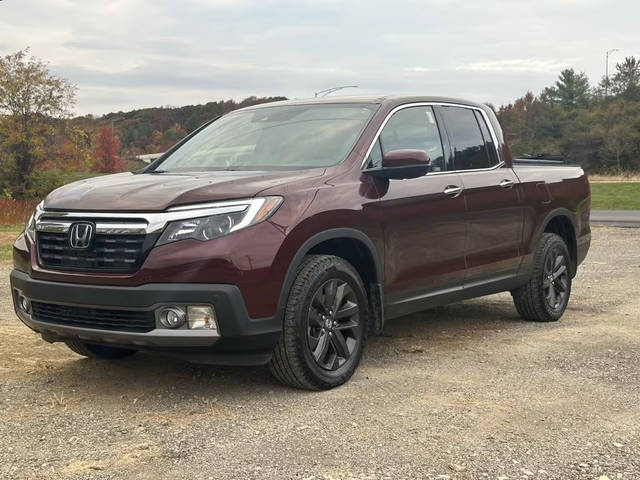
(295, 136)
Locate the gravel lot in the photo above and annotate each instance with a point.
(467, 391)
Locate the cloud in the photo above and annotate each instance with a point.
(418, 69)
(517, 65)
(127, 54)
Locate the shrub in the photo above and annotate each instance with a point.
(44, 181)
(16, 212)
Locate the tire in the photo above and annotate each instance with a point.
(545, 296)
(99, 351)
(321, 344)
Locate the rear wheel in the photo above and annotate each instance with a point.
(324, 326)
(545, 296)
(91, 350)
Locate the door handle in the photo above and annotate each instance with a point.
(506, 184)
(452, 190)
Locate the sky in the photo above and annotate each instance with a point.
(126, 54)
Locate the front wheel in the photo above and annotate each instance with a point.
(324, 326)
(545, 296)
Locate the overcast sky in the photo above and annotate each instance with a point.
(126, 54)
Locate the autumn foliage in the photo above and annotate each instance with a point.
(33, 105)
(16, 212)
(107, 151)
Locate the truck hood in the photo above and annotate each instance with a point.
(157, 192)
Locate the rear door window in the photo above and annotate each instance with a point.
(470, 150)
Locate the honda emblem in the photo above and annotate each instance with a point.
(80, 235)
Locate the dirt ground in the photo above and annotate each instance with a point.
(467, 391)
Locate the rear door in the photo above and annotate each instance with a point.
(494, 213)
(422, 218)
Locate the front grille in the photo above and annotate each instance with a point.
(122, 320)
(107, 253)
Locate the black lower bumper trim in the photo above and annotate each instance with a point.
(242, 339)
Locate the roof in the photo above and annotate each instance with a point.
(370, 99)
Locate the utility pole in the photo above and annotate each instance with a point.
(606, 71)
(323, 93)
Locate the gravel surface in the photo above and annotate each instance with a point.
(467, 391)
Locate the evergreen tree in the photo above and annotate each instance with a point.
(571, 90)
(626, 81)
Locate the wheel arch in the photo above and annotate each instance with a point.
(561, 223)
(355, 247)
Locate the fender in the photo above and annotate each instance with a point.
(323, 236)
(557, 212)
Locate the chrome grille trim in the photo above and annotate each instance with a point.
(62, 226)
(133, 223)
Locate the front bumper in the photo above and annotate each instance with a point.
(238, 340)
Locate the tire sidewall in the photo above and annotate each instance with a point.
(342, 271)
(554, 242)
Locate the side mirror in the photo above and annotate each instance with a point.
(405, 163)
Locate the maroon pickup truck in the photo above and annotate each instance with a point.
(284, 234)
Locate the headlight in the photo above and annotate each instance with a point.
(235, 217)
(30, 229)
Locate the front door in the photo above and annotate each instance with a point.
(422, 218)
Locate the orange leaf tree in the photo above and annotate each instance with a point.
(107, 151)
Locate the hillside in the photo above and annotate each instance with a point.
(152, 130)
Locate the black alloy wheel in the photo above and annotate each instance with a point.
(324, 325)
(545, 296)
(333, 324)
(556, 279)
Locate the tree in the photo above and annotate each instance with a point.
(619, 125)
(626, 81)
(106, 151)
(532, 126)
(74, 150)
(31, 99)
(571, 90)
(174, 133)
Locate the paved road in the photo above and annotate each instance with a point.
(616, 218)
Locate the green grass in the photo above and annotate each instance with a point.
(8, 233)
(615, 196)
(11, 228)
(6, 253)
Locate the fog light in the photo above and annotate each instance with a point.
(25, 304)
(172, 317)
(202, 317)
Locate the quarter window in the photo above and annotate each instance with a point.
(410, 128)
(488, 141)
(470, 148)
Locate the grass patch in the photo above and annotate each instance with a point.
(7, 237)
(12, 228)
(8, 234)
(615, 196)
(6, 253)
